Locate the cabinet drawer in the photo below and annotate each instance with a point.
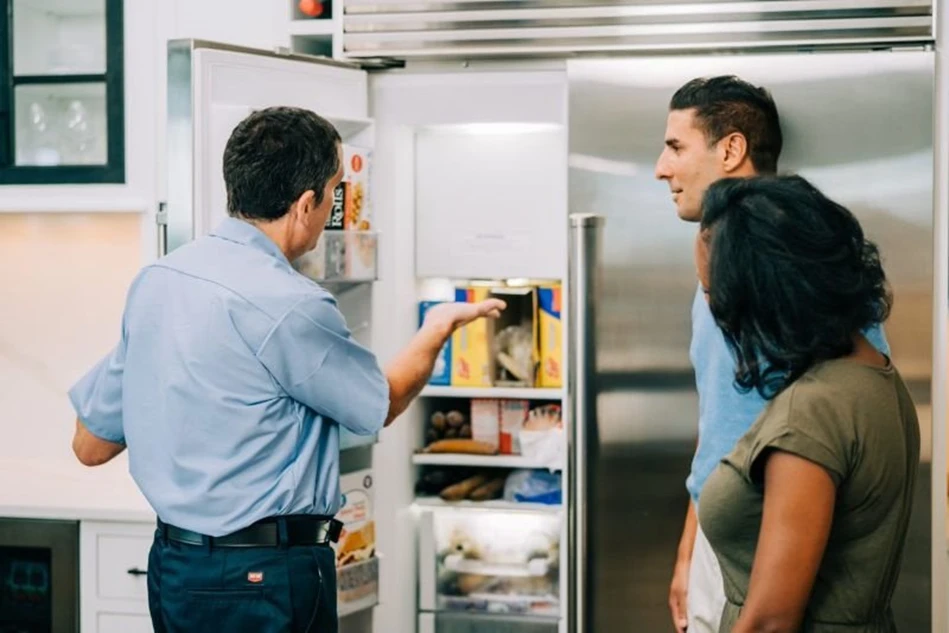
(121, 560)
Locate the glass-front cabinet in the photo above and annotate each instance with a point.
(61, 92)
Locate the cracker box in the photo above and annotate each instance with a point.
(351, 208)
(470, 357)
(442, 373)
(357, 542)
(550, 336)
(357, 213)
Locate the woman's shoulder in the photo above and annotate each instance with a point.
(833, 386)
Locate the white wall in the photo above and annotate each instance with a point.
(63, 279)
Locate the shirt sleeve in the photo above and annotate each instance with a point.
(97, 396)
(810, 425)
(312, 355)
(877, 337)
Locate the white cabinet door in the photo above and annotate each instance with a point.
(113, 560)
(123, 623)
(122, 561)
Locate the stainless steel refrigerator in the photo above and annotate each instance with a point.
(857, 124)
(860, 125)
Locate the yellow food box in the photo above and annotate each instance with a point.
(357, 542)
(551, 336)
(470, 356)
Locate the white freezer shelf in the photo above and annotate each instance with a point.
(496, 505)
(484, 461)
(536, 568)
(512, 606)
(519, 393)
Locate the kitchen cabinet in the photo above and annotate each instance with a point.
(62, 92)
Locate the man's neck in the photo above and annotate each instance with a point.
(276, 230)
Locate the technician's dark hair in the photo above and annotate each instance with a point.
(273, 157)
(727, 104)
(791, 277)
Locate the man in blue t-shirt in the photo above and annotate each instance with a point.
(720, 127)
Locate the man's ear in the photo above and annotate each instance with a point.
(734, 151)
(305, 206)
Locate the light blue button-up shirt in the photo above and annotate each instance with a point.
(725, 413)
(229, 385)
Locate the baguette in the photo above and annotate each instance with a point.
(489, 490)
(462, 489)
(471, 447)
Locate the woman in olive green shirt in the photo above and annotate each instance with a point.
(808, 514)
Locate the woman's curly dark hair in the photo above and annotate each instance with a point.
(791, 277)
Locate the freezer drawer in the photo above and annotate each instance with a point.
(459, 623)
(497, 562)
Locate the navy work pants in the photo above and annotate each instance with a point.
(204, 589)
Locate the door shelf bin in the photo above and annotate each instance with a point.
(357, 586)
(342, 257)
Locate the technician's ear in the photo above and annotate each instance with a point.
(304, 209)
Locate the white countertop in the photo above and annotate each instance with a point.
(70, 491)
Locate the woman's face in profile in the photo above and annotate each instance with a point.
(702, 239)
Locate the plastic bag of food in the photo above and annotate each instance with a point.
(533, 486)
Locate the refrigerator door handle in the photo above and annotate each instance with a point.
(161, 220)
(582, 439)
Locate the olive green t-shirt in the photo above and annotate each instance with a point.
(860, 424)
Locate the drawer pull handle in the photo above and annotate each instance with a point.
(135, 571)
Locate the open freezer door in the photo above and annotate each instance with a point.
(211, 88)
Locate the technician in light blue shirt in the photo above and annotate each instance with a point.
(230, 382)
(716, 128)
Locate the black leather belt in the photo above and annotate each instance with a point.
(271, 532)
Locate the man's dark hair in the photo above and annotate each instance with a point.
(727, 104)
(792, 278)
(273, 157)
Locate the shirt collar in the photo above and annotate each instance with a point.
(246, 233)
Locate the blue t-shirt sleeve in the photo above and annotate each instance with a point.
(97, 396)
(312, 355)
(877, 337)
